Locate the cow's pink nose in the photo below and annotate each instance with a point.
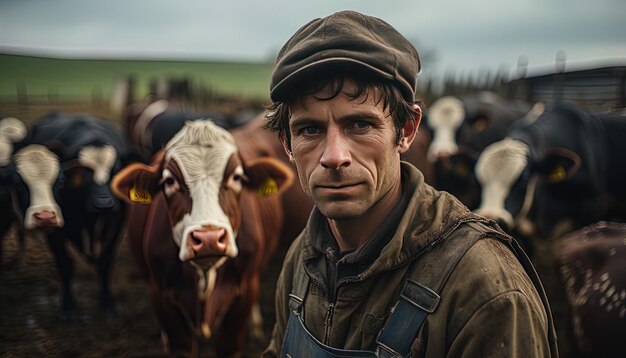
(208, 242)
(45, 219)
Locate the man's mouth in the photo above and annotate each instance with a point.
(337, 188)
(336, 185)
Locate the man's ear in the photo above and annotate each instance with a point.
(409, 130)
(283, 141)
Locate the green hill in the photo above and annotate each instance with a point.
(81, 79)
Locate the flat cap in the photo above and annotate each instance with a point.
(346, 38)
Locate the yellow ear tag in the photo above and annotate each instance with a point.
(269, 187)
(479, 125)
(77, 180)
(557, 175)
(462, 170)
(141, 197)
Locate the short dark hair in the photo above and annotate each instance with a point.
(386, 91)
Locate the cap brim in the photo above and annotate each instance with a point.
(281, 89)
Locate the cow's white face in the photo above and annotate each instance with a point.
(499, 166)
(100, 160)
(200, 180)
(445, 116)
(39, 169)
(11, 130)
(200, 155)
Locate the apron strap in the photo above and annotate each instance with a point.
(421, 293)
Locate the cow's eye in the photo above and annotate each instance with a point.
(170, 186)
(236, 180)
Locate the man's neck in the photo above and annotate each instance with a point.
(350, 234)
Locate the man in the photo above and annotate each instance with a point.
(386, 266)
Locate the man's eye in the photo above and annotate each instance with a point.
(361, 124)
(309, 131)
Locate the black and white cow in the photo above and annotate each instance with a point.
(12, 131)
(562, 172)
(61, 185)
(462, 128)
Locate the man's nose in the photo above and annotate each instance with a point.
(336, 151)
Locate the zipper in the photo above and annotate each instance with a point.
(328, 322)
(333, 287)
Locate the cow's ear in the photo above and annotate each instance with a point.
(136, 183)
(463, 164)
(559, 165)
(268, 176)
(480, 122)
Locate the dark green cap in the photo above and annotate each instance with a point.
(346, 38)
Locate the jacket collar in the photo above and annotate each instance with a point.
(429, 216)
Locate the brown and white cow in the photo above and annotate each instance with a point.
(204, 218)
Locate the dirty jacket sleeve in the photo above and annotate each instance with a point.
(293, 261)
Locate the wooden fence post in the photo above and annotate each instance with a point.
(53, 95)
(96, 97)
(21, 93)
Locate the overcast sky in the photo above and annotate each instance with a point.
(459, 35)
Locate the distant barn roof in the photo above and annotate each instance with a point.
(595, 89)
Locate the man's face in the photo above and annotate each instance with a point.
(345, 152)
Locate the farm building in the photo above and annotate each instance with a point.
(595, 89)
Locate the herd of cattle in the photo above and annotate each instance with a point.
(204, 202)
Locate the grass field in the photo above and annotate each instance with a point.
(83, 79)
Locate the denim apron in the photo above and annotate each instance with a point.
(299, 343)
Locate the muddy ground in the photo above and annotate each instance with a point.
(30, 325)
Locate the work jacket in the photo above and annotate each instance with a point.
(489, 306)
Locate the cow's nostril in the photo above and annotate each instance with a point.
(222, 239)
(195, 240)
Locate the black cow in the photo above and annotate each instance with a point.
(61, 184)
(462, 128)
(12, 131)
